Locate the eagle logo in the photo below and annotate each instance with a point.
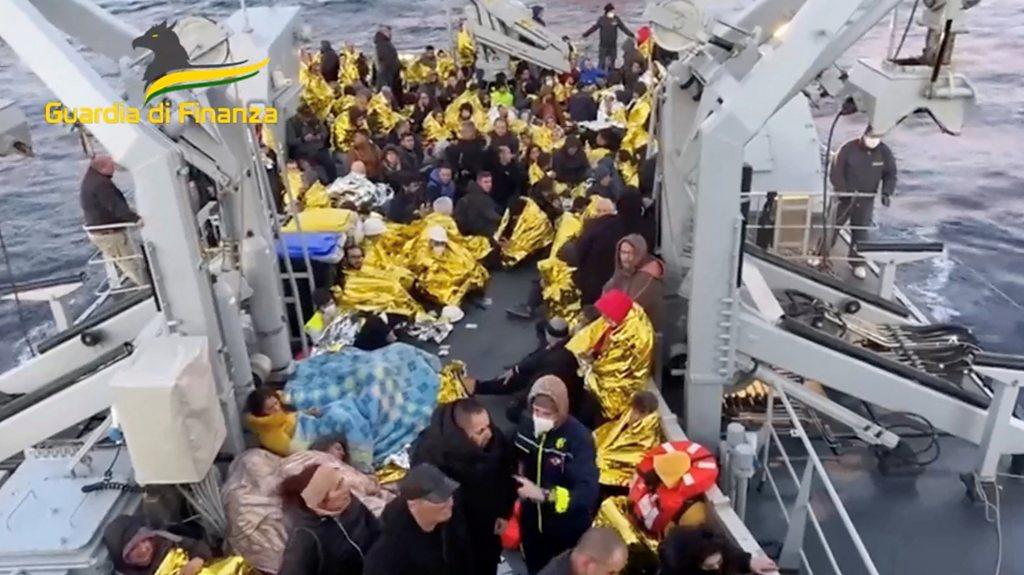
(172, 69)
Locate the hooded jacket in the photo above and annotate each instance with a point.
(509, 182)
(436, 188)
(486, 491)
(120, 532)
(645, 283)
(563, 462)
(405, 549)
(476, 213)
(369, 154)
(614, 190)
(685, 549)
(330, 545)
(569, 168)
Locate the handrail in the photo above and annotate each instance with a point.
(767, 375)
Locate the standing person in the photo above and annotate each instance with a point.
(860, 167)
(423, 532)
(307, 138)
(103, 204)
(476, 213)
(609, 24)
(559, 485)
(698, 551)
(601, 551)
(640, 275)
(330, 64)
(509, 177)
(388, 65)
(331, 531)
(594, 256)
(464, 444)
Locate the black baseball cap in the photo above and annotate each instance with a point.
(427, 482)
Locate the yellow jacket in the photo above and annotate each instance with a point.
(275, 431)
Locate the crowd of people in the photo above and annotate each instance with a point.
(532, 167)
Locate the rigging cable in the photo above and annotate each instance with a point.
(14, 290)
(906, 30)
(826, 246)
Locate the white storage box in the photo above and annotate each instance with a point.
(165, 399)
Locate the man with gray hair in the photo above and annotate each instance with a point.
(600, 551)
(108, 217)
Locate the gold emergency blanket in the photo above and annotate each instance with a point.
(479, 117)
(594, 155)
(414, 69)
(449, 277)
(376, 290)
(536, 173)
(445, 64)
(621, 445)
(636, 124)
(532, 232)
(335, 220)
(465, 46)
(177, 558)
(434, 130)
(614, 513)
(390, 473)
(385, 118)
(349, 66)
(316, 93)
(316, 197)
(452, 386)
(477, 246)
(621, 366)
(559, 292)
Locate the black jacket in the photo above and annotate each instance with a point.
(486, 491)
(859, 169)
(562, 458)
(594, 256)
(582, 107)
(468, 157)
(330, 545)
(609, 27)
(545, 360)
(570, 169)
(388, 64)
(476, 213)
(402, 207)
(405, 549)
(509, 182)
(102, 203)
(295, 132)
(330, 64)
(509, 139)
(685, 549)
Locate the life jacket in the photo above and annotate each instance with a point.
(669, 478)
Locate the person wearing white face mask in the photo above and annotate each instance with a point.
(862, 167)
(609, 24)
(558, 484)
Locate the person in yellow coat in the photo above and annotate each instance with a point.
(615, 351)
(622, 443)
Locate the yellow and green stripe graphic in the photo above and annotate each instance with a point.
(202, 78)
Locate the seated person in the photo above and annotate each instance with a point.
(616, 349)
(326, 312)
(370, 289)
(550, 358)
(525, 229)
(445, 270)
(441, 215)
(137, 549)
(374, 334)
(691, 551)
(622, 443)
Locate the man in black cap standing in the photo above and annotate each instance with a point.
(424, 534)
(609, 24)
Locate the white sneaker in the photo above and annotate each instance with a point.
(814, 262)
(860, 272)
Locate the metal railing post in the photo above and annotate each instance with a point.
(792, 548)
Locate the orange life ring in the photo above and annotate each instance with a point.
(669, 476)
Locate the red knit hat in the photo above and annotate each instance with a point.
(614, 305)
